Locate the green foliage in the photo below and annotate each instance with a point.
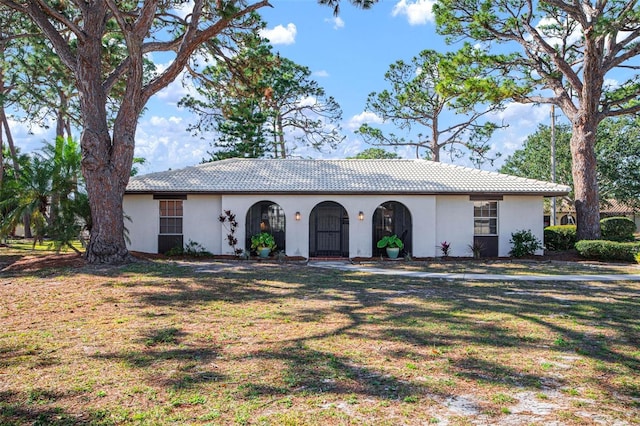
(252, 99)
(263, 240)
(476, 248)
(374, 153)
(617, 229)
(390, 241)
(608, 250)
(547, 66)
(560, 237)
(414, 102)
(533, 160)
(637, 257)
(192, 249)
(524, 243)
(617, 154)
(48, 189)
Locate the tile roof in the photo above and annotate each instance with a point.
(337, 177)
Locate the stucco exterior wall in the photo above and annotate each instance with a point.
(516, 213)
(434, 219)
(200, 221)
(455, 224)
(422, 209)
(144, 223)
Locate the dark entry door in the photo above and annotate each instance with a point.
(329, 231)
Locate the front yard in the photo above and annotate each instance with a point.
(262, 343)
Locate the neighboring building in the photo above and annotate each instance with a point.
(335, 208)
(566, 213)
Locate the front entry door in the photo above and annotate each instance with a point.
(329, 231)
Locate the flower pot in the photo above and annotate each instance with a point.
(393, 252)
(264, 252)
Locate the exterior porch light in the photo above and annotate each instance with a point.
(361, 215)
(297, 215)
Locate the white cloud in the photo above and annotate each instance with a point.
(418, 12)
(365, 117)
(280, 34)
(321, 73)
(166, 144)
(337, 22)
(29, 137)
(523, 121)
(307, 101)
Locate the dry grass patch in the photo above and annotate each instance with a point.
(157, 343)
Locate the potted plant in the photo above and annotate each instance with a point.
(263, 243)
(392, 243)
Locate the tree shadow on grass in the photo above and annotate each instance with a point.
(312, 371)
(38, 408)
(390, 311)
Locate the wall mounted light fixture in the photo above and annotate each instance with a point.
(361, 215)
(297, 215)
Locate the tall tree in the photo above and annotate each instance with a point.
(77, 31)
(617, 153)
(533, 160)
(413, 102)
(262, 104)
(10, 32)
(560, 52)
(49, 190)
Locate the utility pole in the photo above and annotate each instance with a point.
(553, 162)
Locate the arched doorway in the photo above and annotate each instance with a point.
(328, 230)
(391, 218)
(266, 216)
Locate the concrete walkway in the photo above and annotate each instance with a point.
(345, 266)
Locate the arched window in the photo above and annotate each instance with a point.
(391, 218)
(567, 219)
(266, 216)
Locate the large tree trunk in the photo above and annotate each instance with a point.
(107, 244)
(585, 183)
(104, 161)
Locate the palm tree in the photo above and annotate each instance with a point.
(27, 195)
(49, 189)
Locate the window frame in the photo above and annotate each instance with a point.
(488, 214)
(172, 216)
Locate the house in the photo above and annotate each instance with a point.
(335, 208)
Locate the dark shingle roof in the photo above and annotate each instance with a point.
(337, 177)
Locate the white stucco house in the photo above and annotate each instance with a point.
(335, 208)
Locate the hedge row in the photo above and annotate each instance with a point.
(560, 237)
(563, 237)
(617, 229)
(608, 250)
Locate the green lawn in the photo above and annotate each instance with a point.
(156, 343)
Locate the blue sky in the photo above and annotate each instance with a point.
(348, 56)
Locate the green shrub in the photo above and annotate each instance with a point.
(608, 250)
(617, 229)
(560, 237)
(524, 243)
(192, 248)
(638, 257)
